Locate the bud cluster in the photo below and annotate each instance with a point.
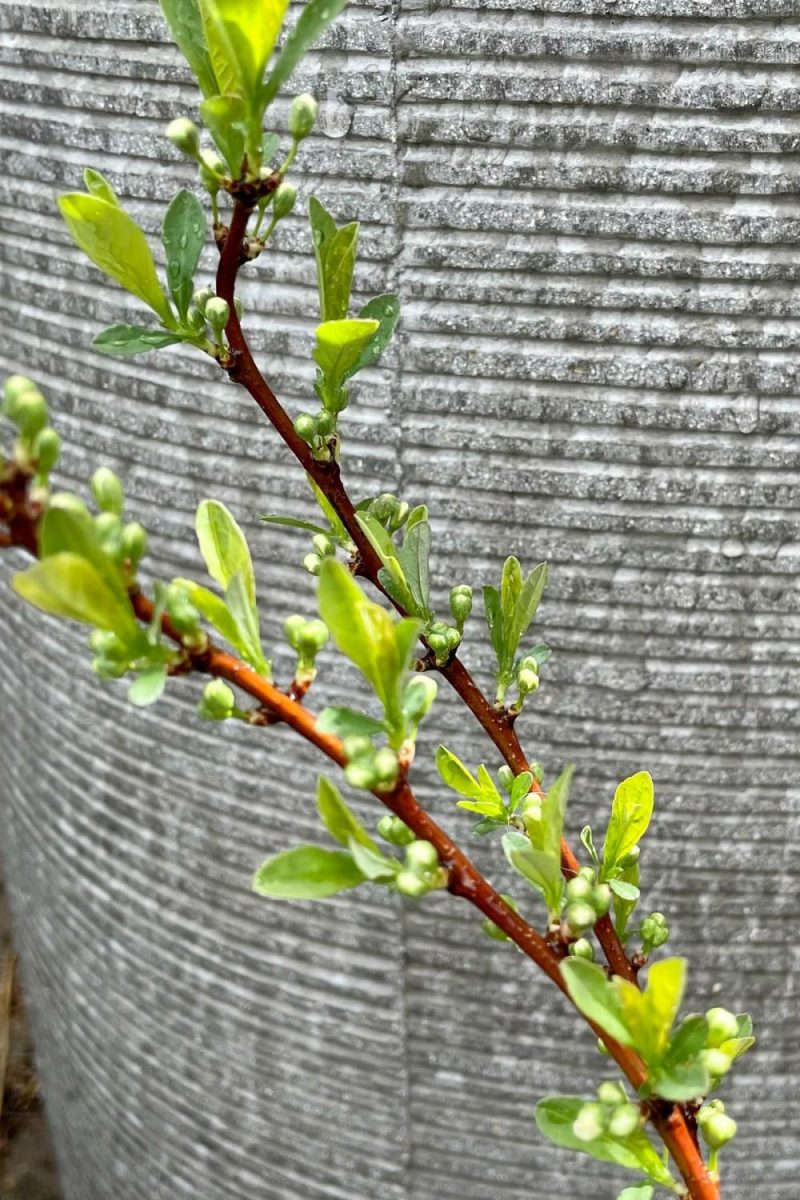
(324, 547)
(612, 1114)
(394, 831)
(183, 616)
(389, 511)
(443, 640)
(112, 655)
(421, 871)
(125, 543)
(461, 604)
(723, 1026)
(39, 445)
(587, 901)
(368, 767)
(307, 638)
(209, 315)
(654, 932)
(316, 430)
(716, 1127)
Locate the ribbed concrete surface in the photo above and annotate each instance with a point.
(590, 210)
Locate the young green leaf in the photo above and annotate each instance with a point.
(218, 614)
(520, 789)
(227, 557)
(186, 27)
(346, 722)
(372, 862)
(456, 775)
(643, 1191)
(295, 523)
(588, 843)
(339, 344)
(386, 311)
(225, 117)
(556, 1116)
(594, 994)
(313, 21)
(133, 339)
(414, 558)
(148, 686)
(116, 244)
(391, 576)
(630, 815)
(306, 873)
(625, 891)
(98, 185)
(67, 530)
(340, 822)
(650, 1014)
(183, 234)
(335, 252)
(67, 585)
(246, 33)
(540, 869)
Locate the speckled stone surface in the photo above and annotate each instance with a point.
(589, 207)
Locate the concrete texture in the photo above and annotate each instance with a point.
(589, 208)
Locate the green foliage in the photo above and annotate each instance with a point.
(630, 816)
(556, 1117)
(335, 252)
(339, 347)
(313, 21)
(241, 35)
(405, 574)
(481, 794)
(133, 339)
(536, 854)
(307, 873)
(385, 310)
(98, 185)
(340, 822)
(226, 119)
(66, 585)
(183, 234)
(186, 26)
(116, 244)
(509, 613)
(227, 557)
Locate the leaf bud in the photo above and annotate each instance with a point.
(394, 831)
(302, 115)
(579, 916)
(217, 313)
(283, 201)
(185, 135)
(612, 1094)
(133, 542)
(494, 931)
(305, 427)
(461, 603)
(601, 899)
(419, 696)
(313, 564)
(24, 405)
(409, 884)
(579, 888)
(386, 767)
(583, 948)
(717, 1129)
(218, 701)
(716, 1062)
(107, 491)
(624, 1121)
(589, 1123)
(422, 856)
(722, 1026)
(46, 449)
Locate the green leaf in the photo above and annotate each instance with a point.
(684, 1081)
(228, 561)
(688, 1040)
(314, 20)
(526, 605)
(367, 635)
(650, 1014)
(391, 576)
(148, 686)
(372, 862)
(116, 244)
(98, 185)
(386, 311)
(186, 27)
(554, 809)
(555, 1117)
(494, 620)
(593, 994)
(346, 722)
(306, 873)
(588, 843)
(339, 344)
(414, 558)
(630, 815)
(538, 867)
(335, 252)
(133, 339)
(63, 530)
(183, 234)
(295, 523)
(340, 822)
(225, 118)
(643, 1191)
(456, 775)
(67, 585)
(625, 891)
(247, 32)
(214, 609)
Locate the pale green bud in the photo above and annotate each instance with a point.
(395, 831)
(386, 766)
(283, 201)
(69, 502)
(358, 745)
(293, 629)
(107, 491)
(46, 449)
(383, 507)
(211, 169)
(527, 681)
(587, 873)
(408, 883)
(461, 603)
(579, 888)
(108, 526)
(200, 299)
(722, 1026)
(400, 514)
(24, 405)
(313, 564)
(718, 1129)
(361, 774)
(325, 423)
(313, 637)
(107, 645)
(612, 1094)
(589, 1123)
(133, 542)
(583, 948)
(217, 313)
(506, 777)
(579, 916)
(218, 701)
(106, 668)
(422, 856)
(195, 320)
(419, 696)
(601, 899)
(305, 427)
(302, 115)
(624, 1121)
(184, 134)
(323, 545)
(716, 1062)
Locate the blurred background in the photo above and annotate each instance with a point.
(589, 210)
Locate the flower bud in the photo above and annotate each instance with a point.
(133, 542)
(283, 201)
(717, 1129)
(461, 603)
(716, 1062)
(313, 636)
(631, 858)
(506, 777)
(24, 405)
(400, 517)
(601, 899)
(305, 427)
(419, 696)
(107, 491)
(361, 774)
(358, 745)
(302, 115)
(184, 134)
(422, 856)
(527, 681)
(386, 766)
(395, 831)
(612, 1094)
(323, 545)
(217, 313)
(212, 168)
(383, 507)
(107, 645)
(537, 771)
(109, 527)
(579, 888)
(313, 564)
(587, 873)
(46, 449)
(494, 931)
(293, 630)
(200, 299)
(624, 1121)
(722, 1026)
(579, 916)
(583, 948)
(195, 320)
(325, 423)
(409, 884)
(589, 1123)
(654, 930)
(218, 701)
(107, 668)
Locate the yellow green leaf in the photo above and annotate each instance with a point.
(67, 585)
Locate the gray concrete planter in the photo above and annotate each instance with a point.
(587, 213)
